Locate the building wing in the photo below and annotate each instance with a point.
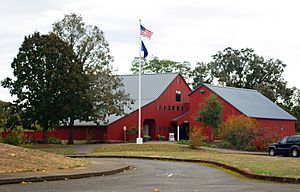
(251, 102)
(153, 86)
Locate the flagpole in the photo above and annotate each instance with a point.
(139, 140)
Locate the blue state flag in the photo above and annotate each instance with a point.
(143, 48)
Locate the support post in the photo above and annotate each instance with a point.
(178, 132)
(124, 130)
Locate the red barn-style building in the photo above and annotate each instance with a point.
(169, 106)
(164, 97)
(237, 101)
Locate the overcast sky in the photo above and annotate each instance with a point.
(189, 30)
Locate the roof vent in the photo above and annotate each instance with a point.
(202, 91)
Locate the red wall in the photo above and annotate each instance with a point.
(161, 116)
(80, 133)
(279, 127)
(198, 96)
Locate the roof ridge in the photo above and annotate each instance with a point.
(258, 106)
(228, 87)
(148, 74)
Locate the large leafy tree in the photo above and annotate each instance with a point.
(245, 69)
(200, 74)
(42, 69)
(156, 65)
(104, 93)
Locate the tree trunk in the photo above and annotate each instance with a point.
(71, 131)
(45, 132)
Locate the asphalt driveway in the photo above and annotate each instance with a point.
(152, 175)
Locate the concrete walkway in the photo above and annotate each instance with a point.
(97, 167)
(82, 149)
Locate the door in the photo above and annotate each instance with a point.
(146, 130)
(285, 145)
(184, 131)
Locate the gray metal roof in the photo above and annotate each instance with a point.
(153, 86)
(251, 103)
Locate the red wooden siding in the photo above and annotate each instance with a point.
(80, 133)
(162, 117)
(279, 127)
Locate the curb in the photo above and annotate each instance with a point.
(234, 169)
(228, 151)
(62, 177)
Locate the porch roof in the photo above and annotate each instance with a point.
(181, 118)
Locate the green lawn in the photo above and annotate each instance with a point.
(264, 165)
(53, 148)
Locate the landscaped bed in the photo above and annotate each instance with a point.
(263, 165)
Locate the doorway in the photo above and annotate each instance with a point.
(183, 131)
(149, 128)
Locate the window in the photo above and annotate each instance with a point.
(178, 108)
(290, 140)
(169, 107)
(173, 107)
(158, 128)
(283, 141)
(158, 107)
(165, 129)
(178, 96)
(182, 108)
(164, 107)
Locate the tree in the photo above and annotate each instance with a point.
(200, 75)
(42, 67)
(210, 113)
(295, 109)
(245, 69)
(155, 65)
(104, 91)
(3, 107)
(87, 41)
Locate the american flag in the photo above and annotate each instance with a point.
(145, 32)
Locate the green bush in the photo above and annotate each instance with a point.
(15, 138)
(54, 140)
(160, 138)
(146, 138)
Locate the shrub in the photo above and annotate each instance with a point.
(146, 138)
(160, 138)
(54, 140)
(196, 138)
(244, 133)
(132, 130)
(238, 131)
(263, 138)
(15, 137)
